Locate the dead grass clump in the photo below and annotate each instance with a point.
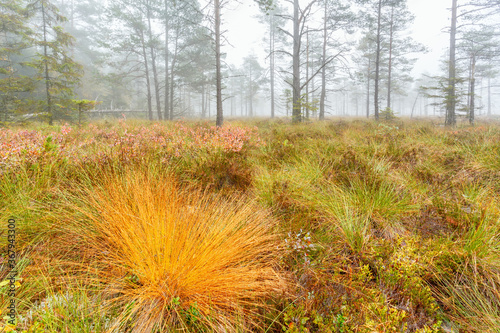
(471, 301)
(171, 257)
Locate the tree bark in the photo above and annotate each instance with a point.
(233, 93)
(46, 65)
(368, 87)
(250, 93)
(451, 94)
(218, 79)
(323, 70)
(153, 62)
(296, 112)
(472, 91)
(172, 70)
(203, 108)
(209, 102)
(307, 75)
(489, 96)
(377, 60)
(271, 60)
(146, 70)
(167, 88)
(389, 74)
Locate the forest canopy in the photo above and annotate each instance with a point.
(165, 59)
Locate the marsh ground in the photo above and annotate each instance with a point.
(265, 226)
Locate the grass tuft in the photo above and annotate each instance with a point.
(173, 257)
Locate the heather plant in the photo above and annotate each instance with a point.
(389, 227)
(124, 143)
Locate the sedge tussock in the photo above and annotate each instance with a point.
(472, 302)
(164, 251)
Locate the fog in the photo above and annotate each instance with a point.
(156, 59)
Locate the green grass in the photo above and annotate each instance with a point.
(382, 227)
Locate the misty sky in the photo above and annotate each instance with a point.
(431, 20)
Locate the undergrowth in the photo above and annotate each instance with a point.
(328, 226)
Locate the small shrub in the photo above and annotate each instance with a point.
(387, 114)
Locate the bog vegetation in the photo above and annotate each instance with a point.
(254, 226)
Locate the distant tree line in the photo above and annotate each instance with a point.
(167, 58)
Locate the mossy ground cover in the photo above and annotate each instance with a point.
(335, 226)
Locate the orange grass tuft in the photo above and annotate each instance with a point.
(163, 251)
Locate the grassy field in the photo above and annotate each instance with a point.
(262, 226)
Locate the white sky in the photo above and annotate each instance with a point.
(431, 20)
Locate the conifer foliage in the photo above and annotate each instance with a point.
(37, 72)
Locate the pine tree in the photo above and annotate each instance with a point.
(218, 4)
(59, 73)
(14, 32)
(336, 17)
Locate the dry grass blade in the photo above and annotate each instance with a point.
(164, 250)
(473, 305)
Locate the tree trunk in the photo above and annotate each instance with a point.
(172, 70)
(323, 70)
(242, 97)
(153, 62)
(167, 88)
(368, 87)
(72, 24)
(314, 112)
(389, 74)
(203, 109)
(250, 93)
(296, 113)
(307, 75)
(246, 105)
(46, 65)
(472, 90)
(218, 79)
(451, 94)
(171, 95)
(377, 60)
(146, 70)
(489, 96)
(232, 99)
(209, 102)
(271, 60)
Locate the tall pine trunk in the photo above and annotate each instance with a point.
(451, 91)
(296, 112)
(489, 96)
(368, 87)
(46, 65)
(153, 62)
(307, 75)
(323, 70)
(250, 94)
(203, 109)
(218, 78)
(271, 60)
(377, 60)
(146, 70)
(389, 74)
(172, 72)
(472, 105)
(166, 111)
